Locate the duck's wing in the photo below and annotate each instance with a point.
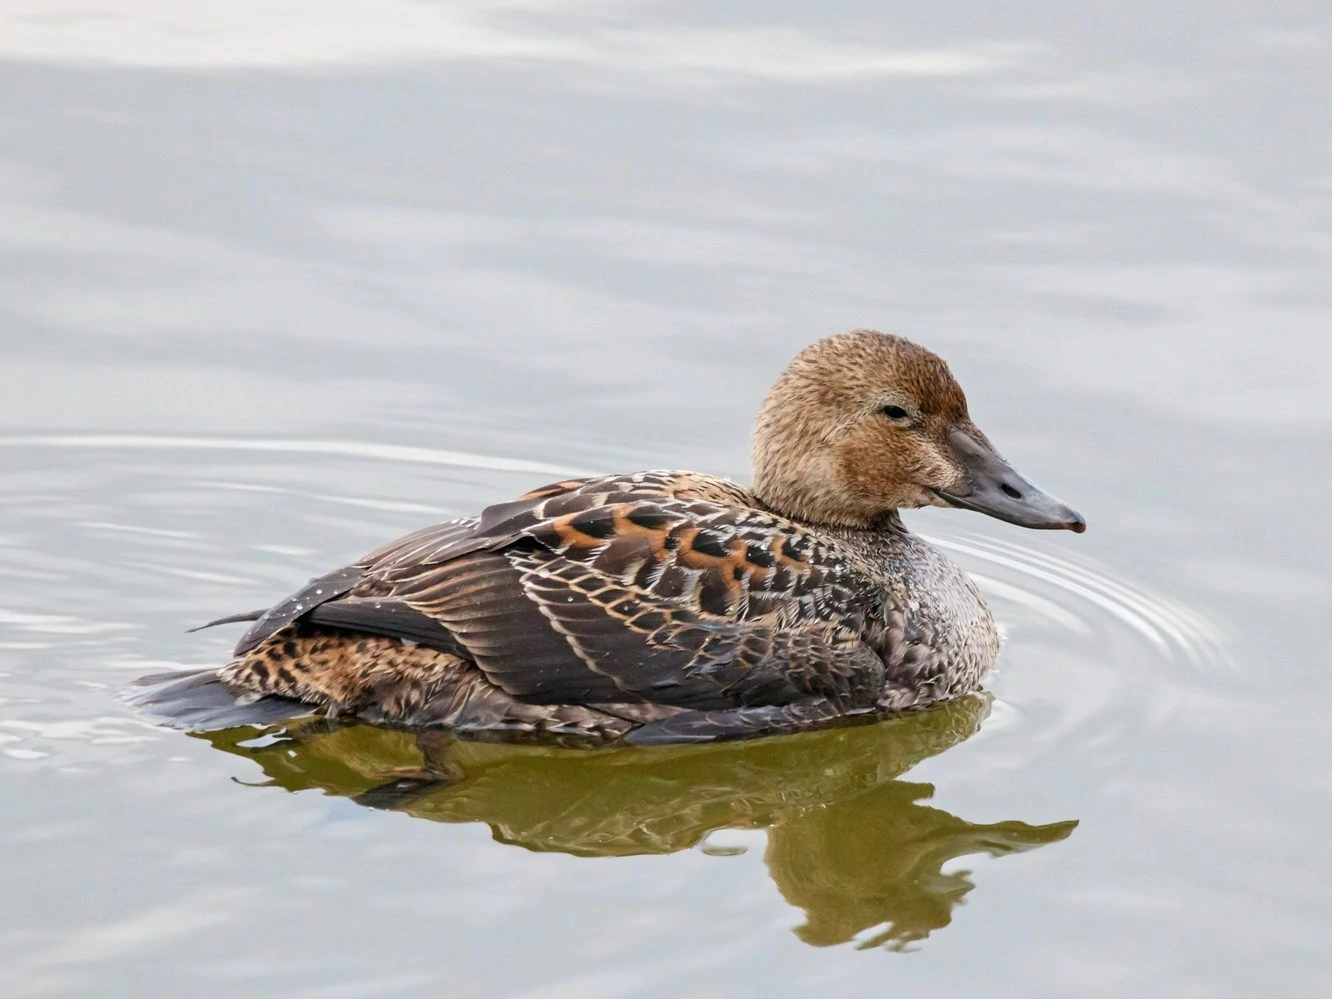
(671, 589)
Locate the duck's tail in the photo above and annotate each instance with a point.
(198, 701)
(253, 615)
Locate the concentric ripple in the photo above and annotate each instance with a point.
(1176, 631)
(131, 538)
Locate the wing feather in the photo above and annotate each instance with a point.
(671, 588)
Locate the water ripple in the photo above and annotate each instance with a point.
(348, 449)
(1088, 650)
(1176, 631)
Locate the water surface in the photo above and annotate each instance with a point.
(281, 283)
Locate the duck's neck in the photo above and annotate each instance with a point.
(885, 522)
(888, 522)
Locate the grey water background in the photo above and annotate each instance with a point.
(279, 283)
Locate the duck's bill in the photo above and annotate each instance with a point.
(996, 488)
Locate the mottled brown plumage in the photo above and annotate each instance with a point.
(668, 606)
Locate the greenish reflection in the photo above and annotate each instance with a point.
(848, 843)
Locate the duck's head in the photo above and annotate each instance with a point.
(863, 423)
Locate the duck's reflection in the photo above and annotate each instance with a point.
(848, 843)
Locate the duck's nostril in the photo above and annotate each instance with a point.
(1010, 492)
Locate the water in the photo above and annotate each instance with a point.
(281, 283)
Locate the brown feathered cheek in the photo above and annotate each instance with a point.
(887, 467)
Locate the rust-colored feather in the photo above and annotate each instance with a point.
(659, 588)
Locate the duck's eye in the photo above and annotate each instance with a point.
(894, 412)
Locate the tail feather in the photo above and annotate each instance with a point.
(253, 615)
(198, 701)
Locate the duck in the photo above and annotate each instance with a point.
(664, 606)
